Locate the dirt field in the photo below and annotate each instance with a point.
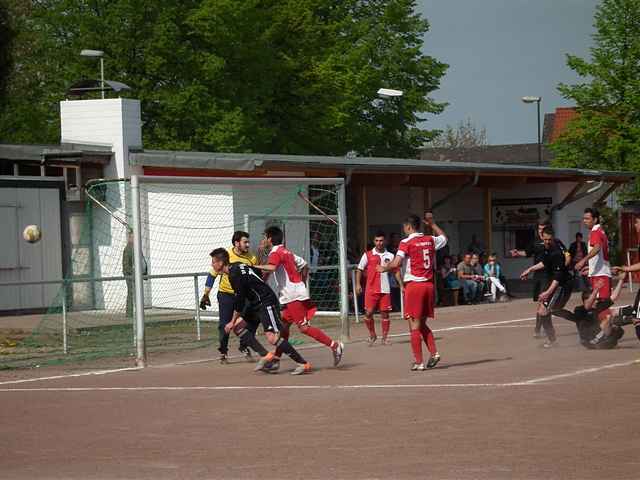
(498, 406)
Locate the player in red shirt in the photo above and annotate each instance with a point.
(378, 291)
(418, 252)
(289, 275)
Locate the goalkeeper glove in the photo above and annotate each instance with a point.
(205, 302)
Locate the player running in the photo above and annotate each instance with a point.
(255, 303)
(598, 258)
(289, 272)
(238, 252)
(418, 252)
(378, 291)
(555, 297)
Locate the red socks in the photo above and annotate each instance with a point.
(319, 336)
(371, 326)
(429, 339)
(416, 345)
(386, 324)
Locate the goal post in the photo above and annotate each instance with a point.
(176, 221)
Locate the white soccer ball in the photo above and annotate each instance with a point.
(32, 233)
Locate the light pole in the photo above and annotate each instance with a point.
(391, 93)
(97, 54)
(536, 100)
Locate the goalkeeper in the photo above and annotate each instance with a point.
(238, 253)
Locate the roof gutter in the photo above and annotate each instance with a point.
(466, 186)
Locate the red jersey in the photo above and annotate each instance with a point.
(599, 265)
(419, 253)
(288, 281)
(376, 282)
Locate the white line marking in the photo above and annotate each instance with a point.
(581, 372)
(72, 375)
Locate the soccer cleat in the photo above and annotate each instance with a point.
(337, 354)
(302, 368)
(371, 341)
(262, 363)
(433, 361)
(418, 367)
(386, 341)
(223, 359)
(273, 366)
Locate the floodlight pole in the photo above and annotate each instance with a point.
(102, 76)
(141, 352)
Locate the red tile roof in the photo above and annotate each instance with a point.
(561, 118)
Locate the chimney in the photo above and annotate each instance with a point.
(114, 122)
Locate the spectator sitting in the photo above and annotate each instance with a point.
(492, 274)
(478, 275)
(467, 277)
(449, 274)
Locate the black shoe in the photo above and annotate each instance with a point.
(433, 361)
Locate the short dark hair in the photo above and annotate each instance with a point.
(414, 221)
(275, 234)
(380, 233)
(578, 235)
(467, 253)
(238, 235)
(220, 254)
(594, 213)
(545, 222)
(548, 230)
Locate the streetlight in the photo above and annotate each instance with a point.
(391, 93)
(536, 100)
(97, 54)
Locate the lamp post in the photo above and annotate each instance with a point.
(536, 100)
(97, 54)
(391, 93)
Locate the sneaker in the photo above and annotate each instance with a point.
(371, 341)
(418, 367)
(433, 361)
(337, 354)
(247, 355)
(262, 363)
(550, 344)
(302, 368)
(223, 359)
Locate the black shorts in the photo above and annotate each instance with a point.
(540, 284)
(268, 316)
(559, 298)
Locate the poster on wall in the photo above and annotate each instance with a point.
(516, 212)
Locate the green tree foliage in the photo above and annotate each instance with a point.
(272, 76)
(606, 132)
(6, 43)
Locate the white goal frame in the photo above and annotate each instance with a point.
(341, 218)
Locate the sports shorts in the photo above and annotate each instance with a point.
(559, 298)
(419, 300)
(377, 301)
(604, 291)
(299, 312)
(266, 315)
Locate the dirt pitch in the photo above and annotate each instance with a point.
(497, 406)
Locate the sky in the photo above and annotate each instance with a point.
(499, 51)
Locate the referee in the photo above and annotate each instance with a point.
(238, 253)
(540, 278)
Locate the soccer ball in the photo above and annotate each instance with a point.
(32, 233)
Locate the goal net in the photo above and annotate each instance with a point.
(181, 221)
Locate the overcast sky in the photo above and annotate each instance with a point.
(500, 50)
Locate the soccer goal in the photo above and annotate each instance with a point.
(177, 221)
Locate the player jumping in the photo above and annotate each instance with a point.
(557, 294)
(418, 251)
(289, 272)
(378, 292)
(255, 304)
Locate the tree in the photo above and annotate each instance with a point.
(7, 35)
(287, 76)
(465, 135)
(606, 132)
